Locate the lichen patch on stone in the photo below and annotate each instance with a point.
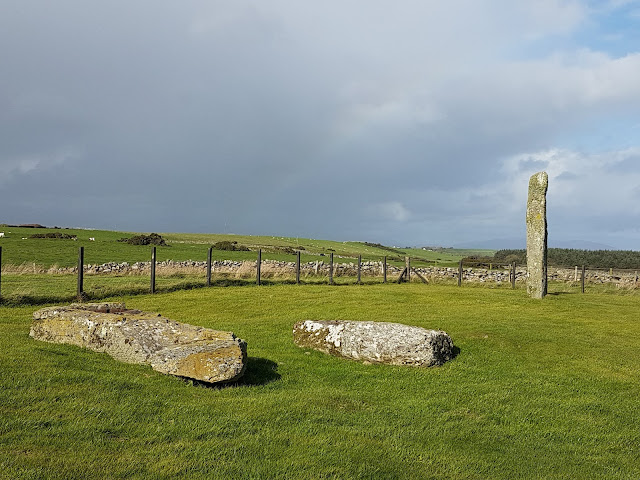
(536, 220)
(375, 342)
(146, 338)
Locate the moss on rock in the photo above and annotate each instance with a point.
(133, 336)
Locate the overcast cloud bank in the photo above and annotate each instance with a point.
(407, 123)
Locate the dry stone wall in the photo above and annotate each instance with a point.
(475, 275)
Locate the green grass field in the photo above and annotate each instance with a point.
(19, 249)
(539, 389)
(24, 259)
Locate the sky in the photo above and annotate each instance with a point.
(412, 122)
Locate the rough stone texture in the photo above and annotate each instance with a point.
(133, 336)
(375, 342)
(479, 275)
(537, 235)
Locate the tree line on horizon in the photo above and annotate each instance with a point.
(570, 257)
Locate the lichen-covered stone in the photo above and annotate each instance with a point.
(133, 336)
(375, 342)
(537, 235)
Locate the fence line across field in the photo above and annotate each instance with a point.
(405, 276)
(81, 294)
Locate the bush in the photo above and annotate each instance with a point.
(152, 239)
(383, 247)
(478, 262)
(63, 236)
(289, 250)
(230, 246)
(510, 255)
(569, 257)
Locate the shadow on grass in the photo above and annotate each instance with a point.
(98, 293)
(259, 371)
(25, 300)
(455, 351)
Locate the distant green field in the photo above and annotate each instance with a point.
(540, 389)
(18, 249)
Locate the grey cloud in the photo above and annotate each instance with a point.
(387, 123)
(532, 164)
(629, 164)
(567, 176)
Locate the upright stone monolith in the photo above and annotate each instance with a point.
(537, 235)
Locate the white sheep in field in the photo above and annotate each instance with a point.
(1, 234)
(92, 239)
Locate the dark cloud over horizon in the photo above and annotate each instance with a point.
(413, 123)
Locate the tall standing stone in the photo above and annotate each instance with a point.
(537, 235)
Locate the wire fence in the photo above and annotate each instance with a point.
(32, 284)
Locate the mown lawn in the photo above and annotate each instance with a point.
(539, 389)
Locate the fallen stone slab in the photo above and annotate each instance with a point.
(375, 342)
(133, 336)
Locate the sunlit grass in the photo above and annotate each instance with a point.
(539, 389)
(40, 288)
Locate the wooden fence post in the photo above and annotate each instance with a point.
(298, 267)
(384, 270)
(359, 268)
(209, 267)
(582, 278)
(460, 273)
(153, 270)
(575, 278)
(331, 268)
(513, 278)
(422, 279)
(80, 293)
(258, 265)
(407, 261)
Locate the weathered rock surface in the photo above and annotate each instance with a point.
(133, 336)
(375, 342)
(537, 235)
